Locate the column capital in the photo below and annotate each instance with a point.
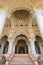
(39, 11)
(31, 39)
(10, 40)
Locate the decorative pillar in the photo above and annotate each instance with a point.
(3, 16)
(39, 18)
(14, 49)
(10, 48)
(29, 48)
(32, 46)
(2, 47)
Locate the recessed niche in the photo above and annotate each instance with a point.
(17, 25)
(35, 25)
(21, 14)
(32, 25)
(26, 25)
(21, 25)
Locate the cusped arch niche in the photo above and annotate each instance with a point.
(4, 38)
(38, 39)
(21, 13)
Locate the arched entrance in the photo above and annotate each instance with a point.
(21, 47)
(38, 45)
(5, 50)
(37, 48)
(4, 44)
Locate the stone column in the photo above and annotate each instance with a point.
(14, 49)
(2, 47)
(10, 48)
(39, 18)
(3, 16)
(29, 48)
(32, 46)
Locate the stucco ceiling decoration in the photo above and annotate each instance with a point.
(10, 5)
(21, 14)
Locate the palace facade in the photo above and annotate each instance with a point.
(21, 27)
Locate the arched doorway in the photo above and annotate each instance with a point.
(21, 47)
(4, 44)
(5, 50)
(37, 48)
(38, 45)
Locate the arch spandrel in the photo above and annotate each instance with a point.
(21, 36)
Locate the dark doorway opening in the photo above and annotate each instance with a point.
(21, 47)
(5, 50)
(37, 48)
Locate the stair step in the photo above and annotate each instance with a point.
(22, 64)
(21, 60)
(18, 60)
